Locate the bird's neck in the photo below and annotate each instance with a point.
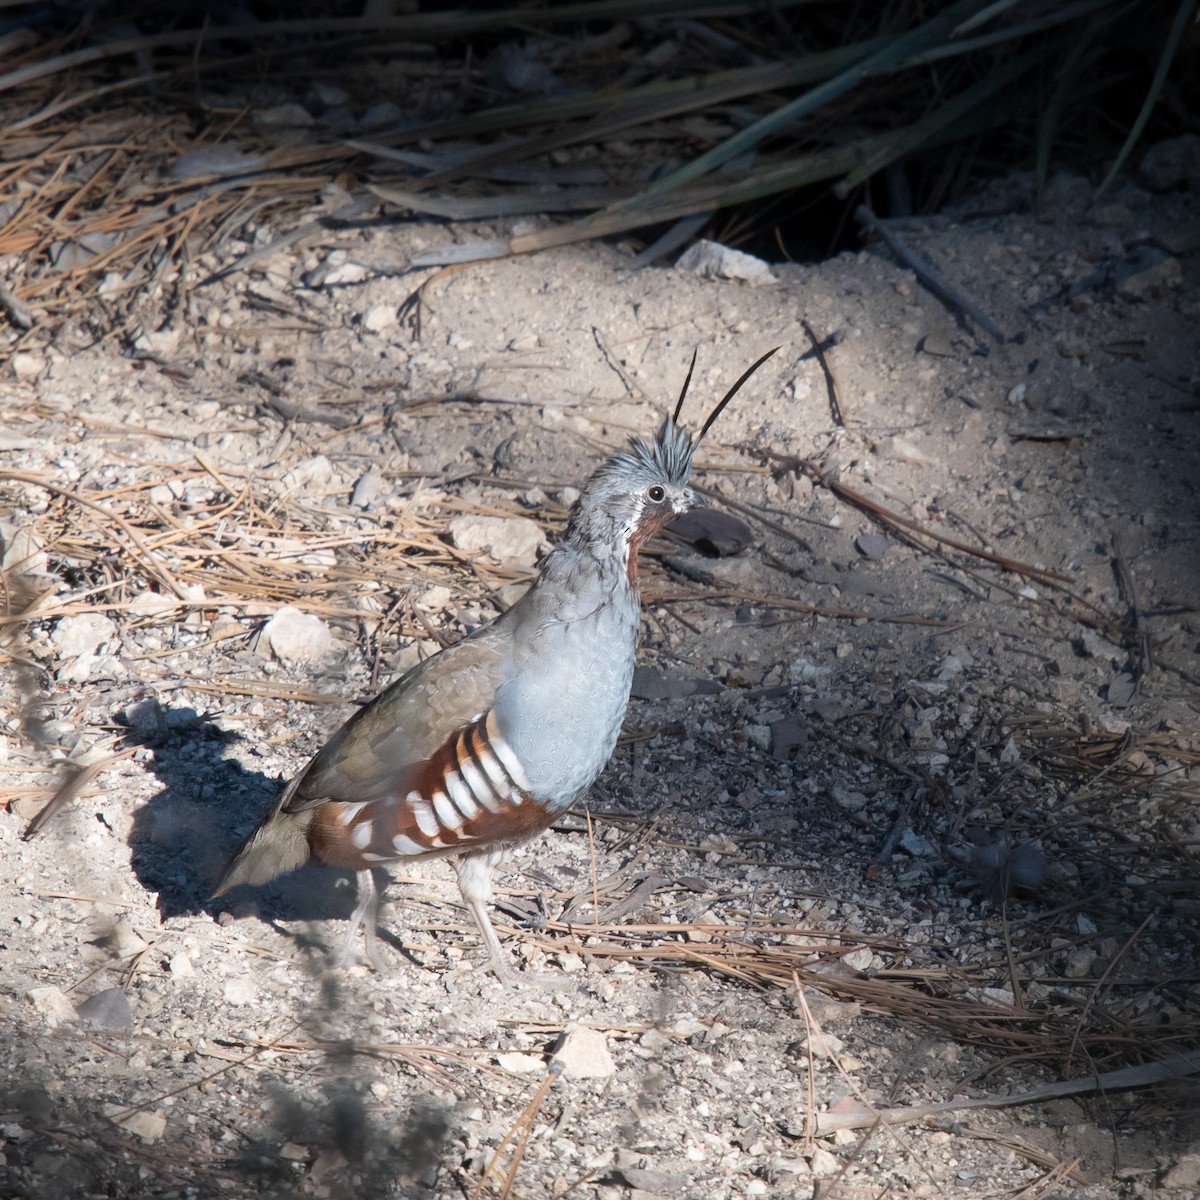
(612, 545)
(596, 567)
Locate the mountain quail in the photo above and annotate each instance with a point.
(485, 744)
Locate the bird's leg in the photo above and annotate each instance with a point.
(475, 883)
(366, 916)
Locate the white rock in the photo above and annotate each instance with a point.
(82, 634)
(368, 489)
(1172, 162)
(330, 94)
(823, 1045)
(23, 556)
(282, 116)
(521, 1064)
(345, 273)
(296, 637)
(687, 1026)
(195, 595)
(583, 1054)
(180, 966)
(1184, 1174)
(510, 593)
(858, 960)
(1000, 997)
(52, 1004)
(506, 539)
(824, 1163)
(847, 798)
(655, 1041)
(714, 261)
(524, 342)
(314, 472)
(1155, 276)
(916, 845)
(379, 317)
(159, 342)
(436, 598)
(150, 604)
(904, 451)
(1079, 963)
(951, 666)
(149, 1126)
(27, 366)
(385, 113)
(802, 670)
(240, 991)
(759, 735)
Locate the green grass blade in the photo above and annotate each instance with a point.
(921, 132)
(620, 108)
(1182, 17)
(1080, 58)
(890, 57)
(1014, 33)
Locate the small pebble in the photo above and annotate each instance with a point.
(872, 545)
(293, 636)
(583, 1053)
(379, 317)
(108, 1009)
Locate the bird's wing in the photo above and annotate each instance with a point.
(388, 742)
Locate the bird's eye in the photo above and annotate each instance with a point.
(657, 494)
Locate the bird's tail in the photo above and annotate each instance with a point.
(278, 845)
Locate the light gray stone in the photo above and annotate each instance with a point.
(82, 634)
(506, 539)
(714, 261)
(293, 636)
(583, 1054)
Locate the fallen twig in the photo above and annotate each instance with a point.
(926, 274)
(853, 1115)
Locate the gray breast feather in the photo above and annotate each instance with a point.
(562, 709)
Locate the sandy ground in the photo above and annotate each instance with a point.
(897, 820)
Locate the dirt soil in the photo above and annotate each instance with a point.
(907, 807)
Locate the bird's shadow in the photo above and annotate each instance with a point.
(208, 804)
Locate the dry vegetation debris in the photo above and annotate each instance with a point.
(904, 822)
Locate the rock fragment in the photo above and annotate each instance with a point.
(714, 261)
(293, 636)
(53, 1005)
(82, 634)
(379, 317)
(1184, 1174)
(108, 1009)
(149, 1126)
(506, 539)
(871, 545)
(583, 1053)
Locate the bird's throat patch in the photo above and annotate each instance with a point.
(652, 522)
